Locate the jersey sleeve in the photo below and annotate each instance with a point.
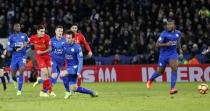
(80, 59)
(85, 43)
(161, 38)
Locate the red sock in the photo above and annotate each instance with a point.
(79, 81)
(44, 86)
(49, 86)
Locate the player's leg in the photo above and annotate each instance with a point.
(161, 67)
(21, 65)
(3, 79)
(65, 78)
(174, 65)
(14, 67)
(55, 71)
(46, 68)
(74, 88)
(49, 84)
(79, 81)
(41, 64)
(7, 76)
(45, 83)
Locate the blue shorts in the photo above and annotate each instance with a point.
(56, 67)
(164, 60)
(72, 79)
(17, 63)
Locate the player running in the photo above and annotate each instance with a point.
(17, 43)
(168, 41)
(57, 54)
(80, 39)
(74, 60)
(41, 43)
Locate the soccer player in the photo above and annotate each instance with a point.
(41, 43)
(17, 43)
(80, 39)
(74, 60)
(57, 54)
(2, 53)
(168, 43)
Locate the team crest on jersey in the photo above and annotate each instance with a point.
(177, 35)
(22, 36)
(72, 49)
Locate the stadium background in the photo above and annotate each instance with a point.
(119, 31)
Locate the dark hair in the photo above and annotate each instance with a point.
(40, 27)
(59, 26)
(74, 24)
(69, 32)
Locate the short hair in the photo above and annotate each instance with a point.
(59, 26)
(40, 27)
(74, 24)
(69, 32)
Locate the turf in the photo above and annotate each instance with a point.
(112, 97)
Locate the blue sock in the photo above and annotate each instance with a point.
(20, 82)
(84, 90)
(173, 79)
(52, 80)
(66, 83)
(154, 75)
(41, 81)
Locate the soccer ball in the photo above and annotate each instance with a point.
(203, 88)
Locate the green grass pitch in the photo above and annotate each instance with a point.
(112, 97)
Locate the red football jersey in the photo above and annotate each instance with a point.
(80, 39)
(40, 43)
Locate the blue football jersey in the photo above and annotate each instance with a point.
(57, 46)
(74, 58)
(17, 41)
(167, 36)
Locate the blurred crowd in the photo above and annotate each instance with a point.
(116, 27)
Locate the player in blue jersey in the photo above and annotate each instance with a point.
(57, 54)
(17, 43)
(168, 43)
(74, 60)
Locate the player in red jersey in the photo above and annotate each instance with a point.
(80, 39)
(41, 44)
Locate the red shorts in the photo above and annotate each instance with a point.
(43, 61)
